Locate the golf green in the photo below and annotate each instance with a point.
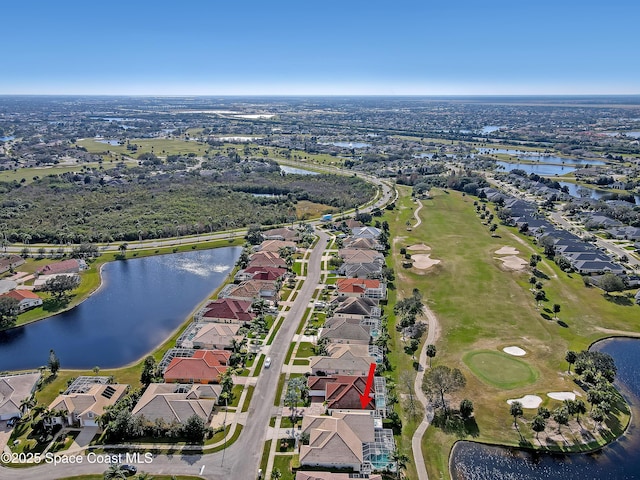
(499, 369)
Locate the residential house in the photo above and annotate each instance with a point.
(226, 310)
(354, 255)
(7, 286)
(285, 233)
(362, 243)
(177, 403)
(343, 362)
(10, 262)
(301, 475)
(266, 259)
(625, 233)
(587, 267)
(72, 265)
(361, 287)
(366, 232)
(252, 290)
(356, 307)
(41, 281)
(346, 330)
(26, 299)
(260, 273)
(204, 366)
(210, 336)
(276, 245)
(361, 270)
(82, 408)
(346, 441)
(343, 393)
(14, 389)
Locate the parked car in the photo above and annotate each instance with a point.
(267, 362)
(130, 469)
(12, 421)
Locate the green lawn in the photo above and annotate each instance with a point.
(499, 369)
(305, 350)
(481, 306)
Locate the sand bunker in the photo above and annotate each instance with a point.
(515, 351)
(421, 247)
(507, 251)
(528, 401)
(423, 261)
(513, 263)
(562, 395)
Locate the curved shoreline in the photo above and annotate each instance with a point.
(548, 451)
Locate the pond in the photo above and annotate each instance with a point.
(620, 460)
(297, 171)
(110, 142)
(593, 193)
(6, 139)
(541, 158)
(538, 168)
(141, 301)
(350, 144)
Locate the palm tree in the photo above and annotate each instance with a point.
(401, 460)
(538, 425)
(571, 358)
(27, 404)
(114, 472)
(276, 474)
(516, 411)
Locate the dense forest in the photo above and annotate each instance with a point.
(104, 208)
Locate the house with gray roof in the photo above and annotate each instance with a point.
(350, 441)
(14, 389)
(176, 402)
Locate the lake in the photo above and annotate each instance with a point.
(594, 193)
(109, 142)
(141, 301)
(490, 128)
(538, 168)
(297, 171)
(349, 144)
(537, 157)
(620, 460)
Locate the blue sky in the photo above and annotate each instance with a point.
(426, 47)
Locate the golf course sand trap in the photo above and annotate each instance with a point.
(423, 261)
(507, 251)
(421, 247)
(562, 395)
(515, 351)
(528, 401)
(513, 263)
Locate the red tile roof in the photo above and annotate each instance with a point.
(66, 266)
(342, 391)
(205, 365)
(226, 308)
(22, 295)
(265, 273)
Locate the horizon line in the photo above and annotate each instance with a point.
(305, 95)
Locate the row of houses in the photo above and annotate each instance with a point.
(86, 399)
(584, 257)
(191, 371)
(15, 288)
(351, 435)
